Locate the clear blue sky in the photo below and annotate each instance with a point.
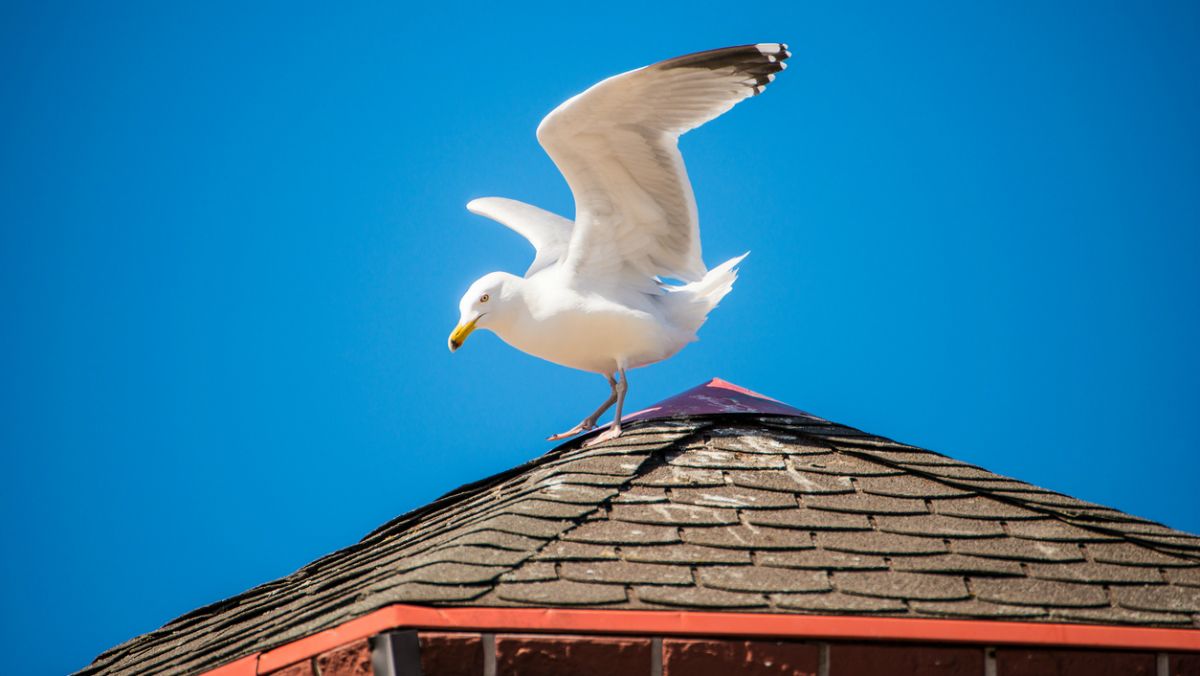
(232, 242)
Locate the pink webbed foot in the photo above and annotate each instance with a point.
(610, 433)
(578, 429)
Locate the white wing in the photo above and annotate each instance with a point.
(617, 146)
(546, 231)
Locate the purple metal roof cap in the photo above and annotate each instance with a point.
(716, 396)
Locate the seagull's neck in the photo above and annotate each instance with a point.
(514, 307)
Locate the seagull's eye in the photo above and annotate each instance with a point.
(484, 298)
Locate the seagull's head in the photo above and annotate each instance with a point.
(484, 305)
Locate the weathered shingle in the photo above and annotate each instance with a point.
(730, 512)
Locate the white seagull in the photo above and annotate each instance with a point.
(595, 298)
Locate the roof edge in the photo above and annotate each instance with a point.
(726, 624)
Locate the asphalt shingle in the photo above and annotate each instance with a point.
(934, 525)
(762, 579)
(838, 603)
(882, 544)
(1030, 592)
(732, 497)
(700, 597)
(792, 481)
(608, 532)
(903, 586)
(748, 537)
(1158, 598)
(624, 572)
(781, 514)
(560, 593)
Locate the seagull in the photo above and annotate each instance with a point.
(596, 297)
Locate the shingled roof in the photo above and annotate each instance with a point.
(710, 503)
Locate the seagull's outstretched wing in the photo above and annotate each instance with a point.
(548, 232)
(617, 146)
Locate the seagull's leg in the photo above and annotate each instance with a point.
(590, 421)
(615, 430)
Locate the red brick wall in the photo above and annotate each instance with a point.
(864, 659)
(352, 659)
(464, 654)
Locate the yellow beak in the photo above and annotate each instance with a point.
(460, 334)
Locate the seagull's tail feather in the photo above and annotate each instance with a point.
(699, 298)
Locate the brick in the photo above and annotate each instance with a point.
(1027, 662)
(518, 655)
(349, 660)
(304, 668)
(451, 654)
(848, 659)
(1183, 665)
(744, 658)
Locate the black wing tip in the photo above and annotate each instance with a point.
(759, 62)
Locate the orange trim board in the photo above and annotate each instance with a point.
(716, 624)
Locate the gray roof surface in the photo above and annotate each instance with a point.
(745, 512)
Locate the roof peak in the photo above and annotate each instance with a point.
(713, 397)
(695, 509)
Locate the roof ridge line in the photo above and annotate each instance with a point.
(866, 454)
(472, 488)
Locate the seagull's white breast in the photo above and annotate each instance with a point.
(587, 330)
